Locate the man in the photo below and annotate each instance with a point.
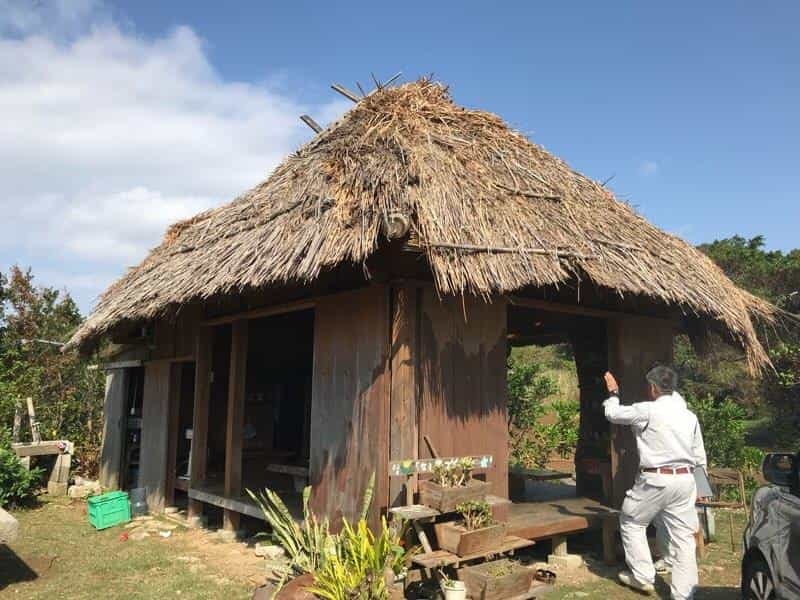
(670, 447)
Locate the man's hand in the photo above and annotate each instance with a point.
(611, 384)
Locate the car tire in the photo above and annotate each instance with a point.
(757, 582)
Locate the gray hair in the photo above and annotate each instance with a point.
(664, 378)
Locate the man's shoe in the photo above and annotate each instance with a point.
(662, 566)
(627, 578)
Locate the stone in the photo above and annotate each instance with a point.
(565, 561)
(227, 536)
(198, 522)
(9, 528)
(171, 510)
(269, 551)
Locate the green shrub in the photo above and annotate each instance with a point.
(18, 485)
(723, 426)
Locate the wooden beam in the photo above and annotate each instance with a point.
(258, 313)
(229, 504)
(121, 364)
(202, 391)
(574, 309)
(345, 92)
(113, 427)
(311, 123)
(38, 448)
(235, 421)
(172, 431)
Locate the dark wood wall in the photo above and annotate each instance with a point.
(350, 402)
(462, 380)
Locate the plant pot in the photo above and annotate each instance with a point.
(496, 580)
(454, 537)
(454, 590)
(445, 499)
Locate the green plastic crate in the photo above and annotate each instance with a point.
(107, 510)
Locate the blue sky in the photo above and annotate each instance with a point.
(691, 107)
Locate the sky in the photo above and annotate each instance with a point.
(119, 118)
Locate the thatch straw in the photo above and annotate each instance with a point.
(492, 212)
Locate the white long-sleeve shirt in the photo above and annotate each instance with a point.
(667, 432)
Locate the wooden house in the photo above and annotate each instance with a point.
(361, 303)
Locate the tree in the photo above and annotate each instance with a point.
(68, 396)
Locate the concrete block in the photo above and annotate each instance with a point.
(9, 528)
(198, 522)
(565, 561)
(229, 535)
(56, 488)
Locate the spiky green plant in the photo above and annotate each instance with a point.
(359, 568)
(307, 543)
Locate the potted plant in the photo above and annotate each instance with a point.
(477, 531)
(452, 484)
(453, 589)
(496, 580)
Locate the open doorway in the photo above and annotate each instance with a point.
(277, 413)
(560, 440)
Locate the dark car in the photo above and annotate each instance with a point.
(771, 562)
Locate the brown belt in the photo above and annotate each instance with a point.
(669, 470)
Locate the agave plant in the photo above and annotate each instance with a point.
(307, 543)
(359, 568)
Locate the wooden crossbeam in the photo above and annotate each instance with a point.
(345, 92)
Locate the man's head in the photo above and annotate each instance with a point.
(662, 380)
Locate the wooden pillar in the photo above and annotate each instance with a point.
(202, 391)
(172, 431)
(155, 417)
(403, 427)
(235, 424)
(113, 428)
(635, 344)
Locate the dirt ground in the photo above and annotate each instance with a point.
(60, 555)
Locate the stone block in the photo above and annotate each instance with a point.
(269, 551)
(565, 561)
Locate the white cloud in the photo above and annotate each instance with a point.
(107, 137)
(648, 168)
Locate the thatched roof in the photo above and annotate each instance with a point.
(491, 211)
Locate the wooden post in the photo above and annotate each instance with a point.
(233, 437)
(202, 391)
(113, 428)
(560, 545)
(35, 435)
(403, 428)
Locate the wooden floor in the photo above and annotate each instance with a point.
(214, 493)
(542, 520)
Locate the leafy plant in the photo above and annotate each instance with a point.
(361, 564)
(477, 514)
(532, 440)
(455, 473)
(308, 543)
(18, 485)
(68, 396)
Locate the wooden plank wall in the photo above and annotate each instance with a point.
(155, 423)
(463, 404)
(202, 393)
(113, 427)
(350, 402)
(635, 344)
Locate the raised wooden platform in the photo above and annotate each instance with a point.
(542, 520)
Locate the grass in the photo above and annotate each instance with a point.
(59, 554)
